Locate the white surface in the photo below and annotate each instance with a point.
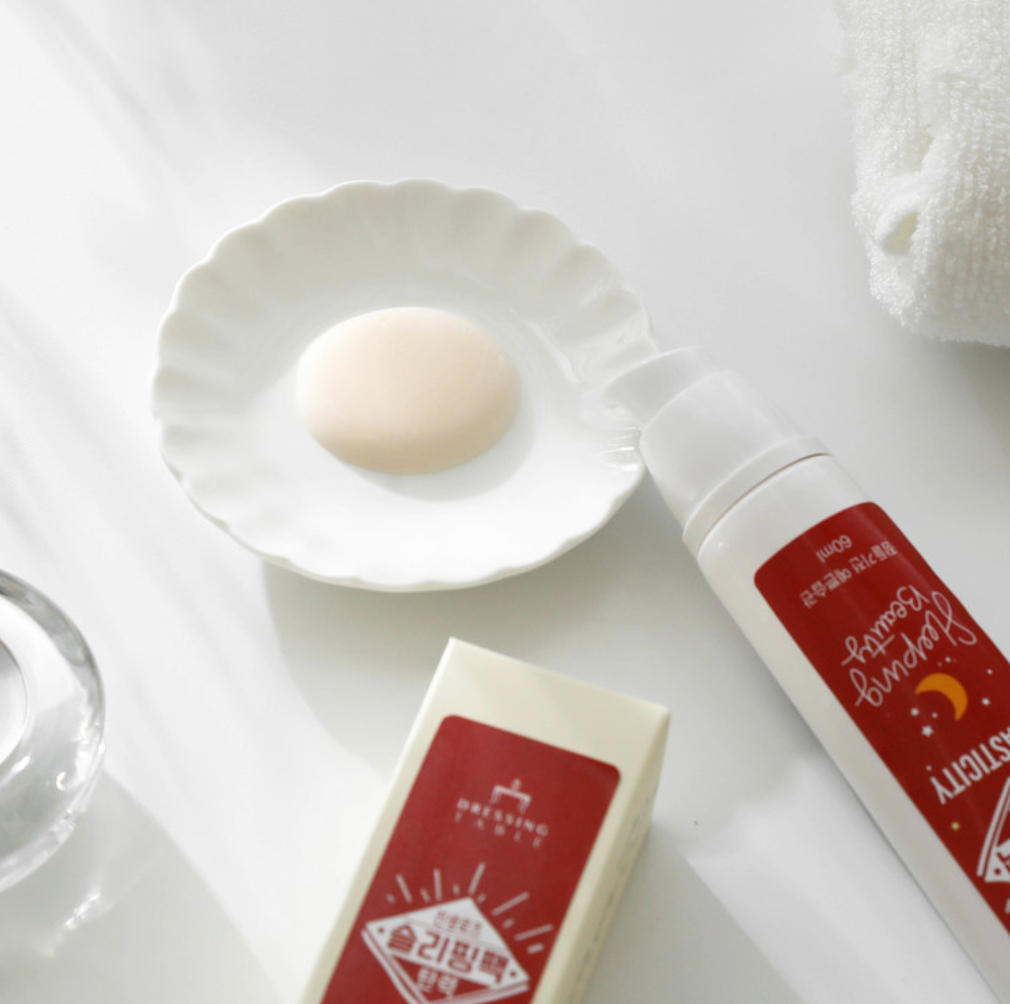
(240, 321)
(254, 714)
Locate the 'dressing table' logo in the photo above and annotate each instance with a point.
(504, 813)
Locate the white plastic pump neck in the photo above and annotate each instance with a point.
(707, 437)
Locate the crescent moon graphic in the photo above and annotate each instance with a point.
(949, 686)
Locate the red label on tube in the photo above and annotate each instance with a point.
(927, 688)
(477, 876)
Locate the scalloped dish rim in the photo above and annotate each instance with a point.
(269, 502)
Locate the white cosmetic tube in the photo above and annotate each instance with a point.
(901, 686)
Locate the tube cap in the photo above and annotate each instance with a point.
(707, 437)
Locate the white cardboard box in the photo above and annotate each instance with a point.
(515, 814)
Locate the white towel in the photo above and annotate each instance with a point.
(930, 88)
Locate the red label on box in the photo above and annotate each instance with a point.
(926, 687)
(477, 876)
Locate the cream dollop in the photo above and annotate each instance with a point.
(407, 390)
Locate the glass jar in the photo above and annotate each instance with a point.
(52, 717)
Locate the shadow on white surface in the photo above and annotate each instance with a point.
(340, 640)
(364, 659)
(119, 914)
(672, 940)
(988, 369)
(626, 609)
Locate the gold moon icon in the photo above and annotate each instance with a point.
(949, 686)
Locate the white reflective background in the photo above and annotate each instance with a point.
(253, 717)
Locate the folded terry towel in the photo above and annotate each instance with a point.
(930, 87)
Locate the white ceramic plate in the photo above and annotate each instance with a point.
(240, 320)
